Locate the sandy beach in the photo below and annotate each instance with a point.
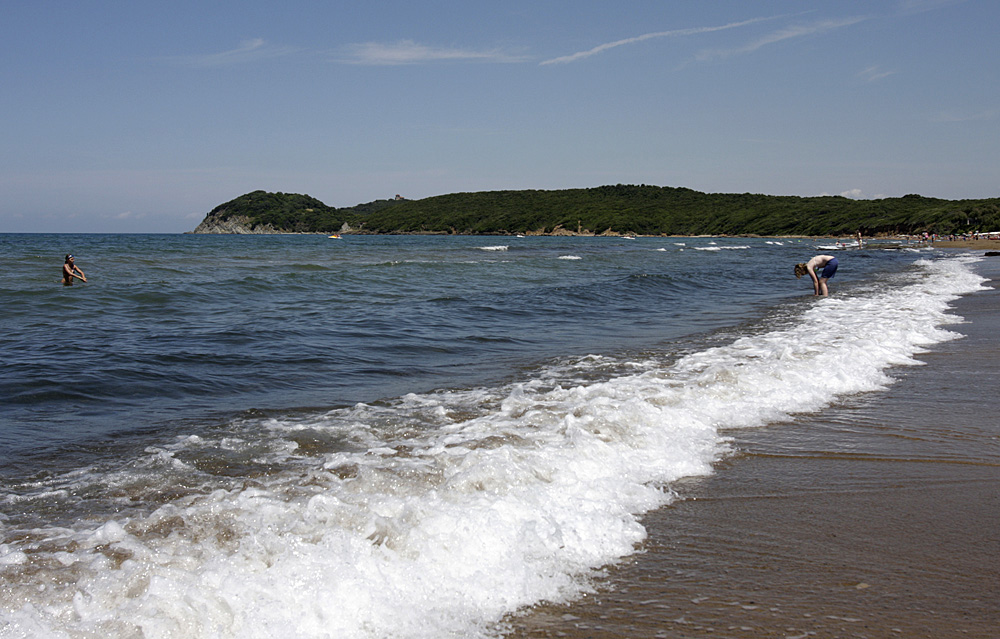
(986, 245)
(879, 517)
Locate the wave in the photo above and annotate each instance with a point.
(722, 248)
(437, 514)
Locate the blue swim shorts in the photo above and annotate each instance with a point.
(830, 269)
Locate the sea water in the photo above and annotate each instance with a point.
(299, 436)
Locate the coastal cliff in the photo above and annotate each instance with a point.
(234, 225)
(260, 213)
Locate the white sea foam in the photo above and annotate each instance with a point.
(722, 248)
(570, 257)
(499, 247)
(440, 513)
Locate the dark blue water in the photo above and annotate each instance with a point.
(172, 329)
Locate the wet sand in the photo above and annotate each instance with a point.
(879, 517)
(987, 245)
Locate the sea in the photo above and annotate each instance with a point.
(400, 436)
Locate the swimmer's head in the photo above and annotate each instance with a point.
(801, 269)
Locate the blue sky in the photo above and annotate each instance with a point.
(135, 116)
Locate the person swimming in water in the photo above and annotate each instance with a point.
(71, 270)
(826, 262)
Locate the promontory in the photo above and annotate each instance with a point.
(614, 210)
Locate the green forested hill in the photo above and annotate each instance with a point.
(289, 212)
(645, 210)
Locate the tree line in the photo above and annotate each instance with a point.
(620, 209)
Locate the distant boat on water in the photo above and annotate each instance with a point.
(842, 245)
(839, 246)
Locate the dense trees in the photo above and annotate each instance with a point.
(645, 210)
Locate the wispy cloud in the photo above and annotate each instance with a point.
(248, 51)
(410, 52)
(649, 36)
(873, 74)
(125, 215)
(788, 33)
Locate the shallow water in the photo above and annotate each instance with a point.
(875, 517)
(396, 436)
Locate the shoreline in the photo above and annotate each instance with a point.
(876, 517)
(987, 245)
(978, 244)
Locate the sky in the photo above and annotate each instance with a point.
(136, 116)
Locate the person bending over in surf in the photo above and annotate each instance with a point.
(71, 270)
(826, 262)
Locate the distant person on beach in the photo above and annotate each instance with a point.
(71, 270)
(826, 262)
